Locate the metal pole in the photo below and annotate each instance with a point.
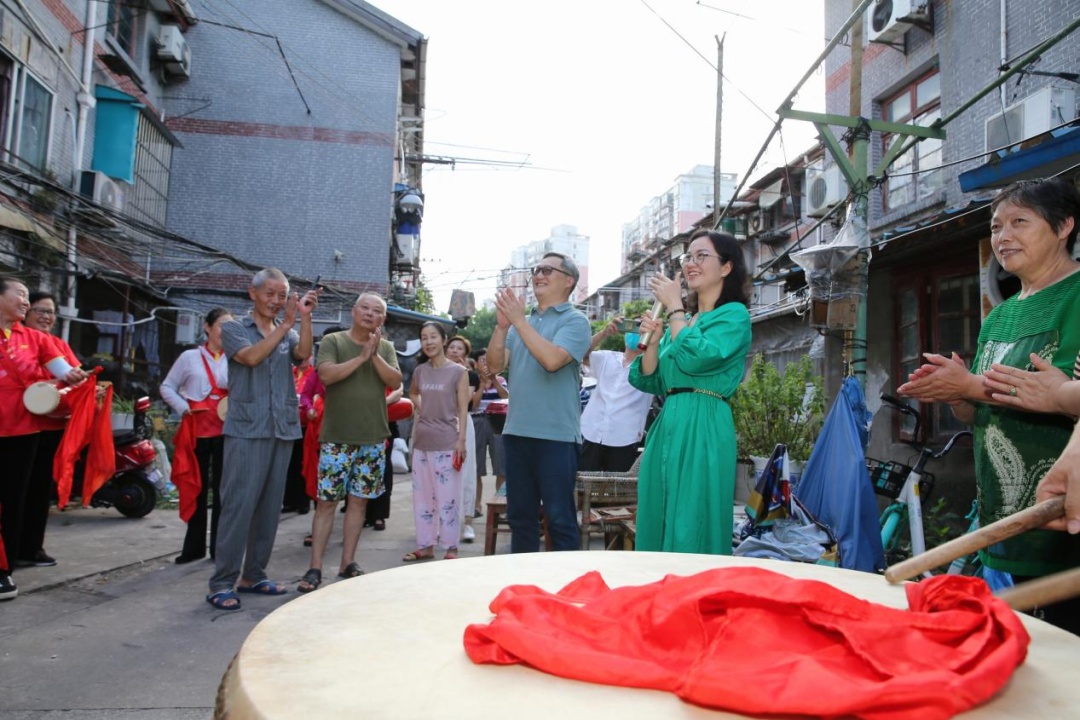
(85, 100)
(719, 117)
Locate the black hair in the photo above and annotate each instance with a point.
(42, 295)
(215, 314)
(1055, 200)
(6, 280)
(737, 284)
(479, 353)
(438, 326)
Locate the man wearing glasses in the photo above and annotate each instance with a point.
(543, 349)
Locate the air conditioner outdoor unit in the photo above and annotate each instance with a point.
(888, 20)
(1034, 115)
(824, 190)
(103, 190)
(173, 51)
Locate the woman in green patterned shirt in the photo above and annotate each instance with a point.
(1032, 232)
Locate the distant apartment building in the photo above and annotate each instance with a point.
(688, 200)
(565, 240)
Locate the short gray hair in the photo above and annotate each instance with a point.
(375, 295)
(270, 273)
(568, 265)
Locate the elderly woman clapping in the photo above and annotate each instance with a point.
(1033, 231)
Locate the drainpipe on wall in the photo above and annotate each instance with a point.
(1004, 42)
(85, 99)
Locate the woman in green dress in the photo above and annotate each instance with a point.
(686, 483)
(1033, 231)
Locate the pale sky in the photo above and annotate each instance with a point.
(605, 101)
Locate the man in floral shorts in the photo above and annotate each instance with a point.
(356, 366)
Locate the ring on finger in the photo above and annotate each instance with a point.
(1012, 391)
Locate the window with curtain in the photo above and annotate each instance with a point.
(34, 116)
(26, 107)
(913, 175)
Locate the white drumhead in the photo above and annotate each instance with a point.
(41, 398)
(222, 408)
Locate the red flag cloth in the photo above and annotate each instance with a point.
(309, 467)
(756, 642)
(185, 466)
(77, 434)
(101, 457)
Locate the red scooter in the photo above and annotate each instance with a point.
(133, 490)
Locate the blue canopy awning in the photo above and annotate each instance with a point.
(1048, 158)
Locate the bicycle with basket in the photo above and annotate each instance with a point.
(907, 486)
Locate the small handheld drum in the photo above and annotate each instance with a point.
(222, 408)
(45, 398)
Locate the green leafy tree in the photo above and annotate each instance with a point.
(480, 328)
(424, 302)
(771, 408)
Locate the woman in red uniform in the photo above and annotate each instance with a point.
(42, 316)
(23, 354)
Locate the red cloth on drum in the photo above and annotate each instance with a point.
(23, 352)
(309, 465)
(185, 467)
(90, 424)
(753, 641)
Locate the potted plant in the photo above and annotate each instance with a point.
(123, 413)
(771, 408)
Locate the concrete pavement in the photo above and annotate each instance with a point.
(117, 630)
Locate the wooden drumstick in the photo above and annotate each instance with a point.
(1045, 590)
(1019, 522)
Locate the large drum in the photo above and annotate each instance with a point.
(496, 414)
(274, 677)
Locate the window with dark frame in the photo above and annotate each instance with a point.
(125, 23)
(936, 311)
(913, 175)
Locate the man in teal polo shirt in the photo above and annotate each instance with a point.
(542, 436)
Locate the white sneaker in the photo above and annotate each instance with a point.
(468, 534)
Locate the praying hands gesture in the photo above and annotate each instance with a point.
(510, 309)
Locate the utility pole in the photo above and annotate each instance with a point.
(855, 349)
(719, 117)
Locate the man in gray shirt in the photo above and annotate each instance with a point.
(261, 425)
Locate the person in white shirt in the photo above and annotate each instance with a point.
(197, 382)
(613, 421)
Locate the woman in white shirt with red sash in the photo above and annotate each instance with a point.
(194, 388)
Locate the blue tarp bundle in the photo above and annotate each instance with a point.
(835, 485)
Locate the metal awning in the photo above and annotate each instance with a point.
(1048, 158)
(411, 316)
(16, 220)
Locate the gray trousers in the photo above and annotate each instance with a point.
(252, 485)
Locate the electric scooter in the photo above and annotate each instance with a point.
(133, 489)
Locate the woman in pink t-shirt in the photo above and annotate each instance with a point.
(440, 392)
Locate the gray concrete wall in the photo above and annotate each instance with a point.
(262, 178)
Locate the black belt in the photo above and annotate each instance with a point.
(702, 391)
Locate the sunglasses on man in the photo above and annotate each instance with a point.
(546, 271)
